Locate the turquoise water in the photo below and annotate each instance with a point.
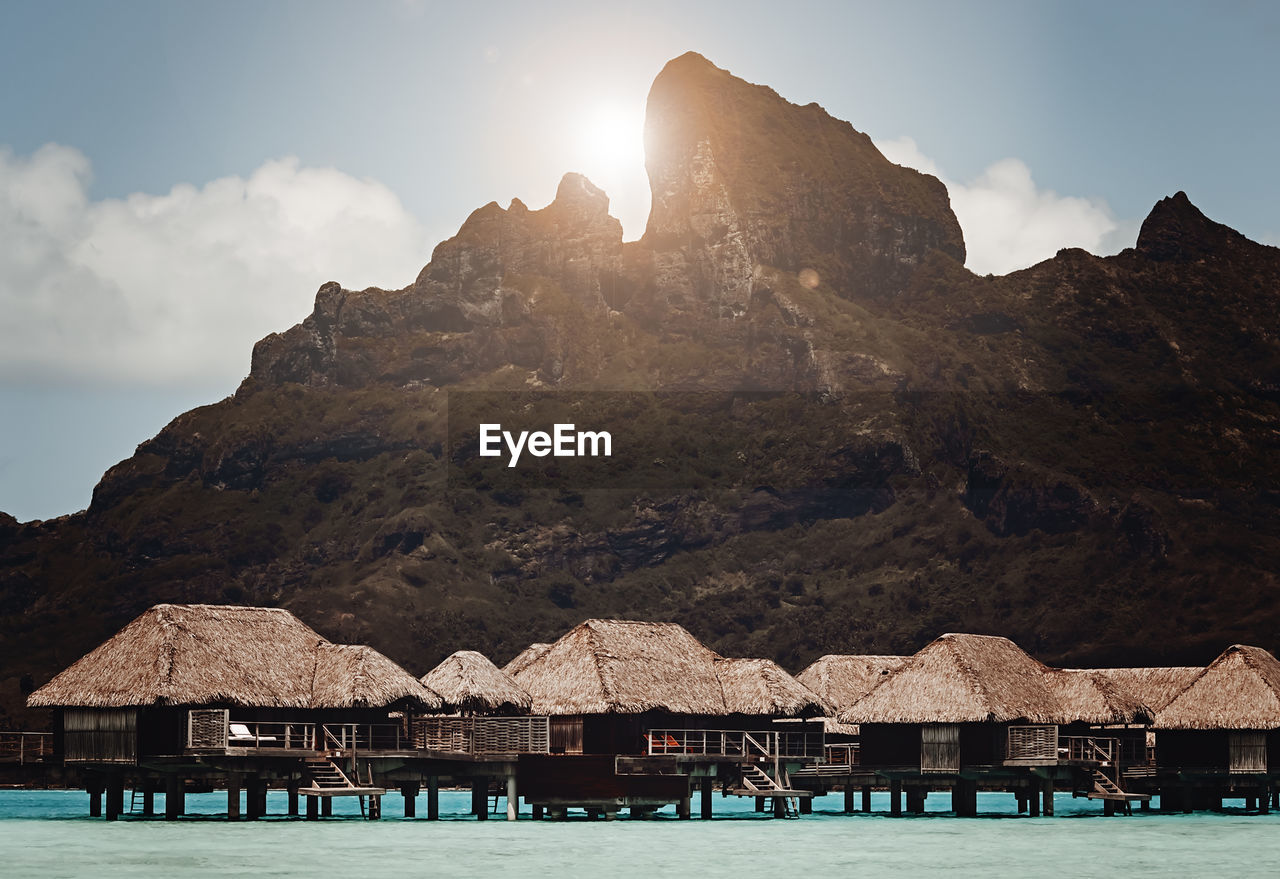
(47, 834)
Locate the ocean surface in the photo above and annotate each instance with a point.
(47, 834)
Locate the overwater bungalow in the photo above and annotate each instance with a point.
(976, 708)
(229, 693)
(651, 706)
(470, 684)
(1221, 734)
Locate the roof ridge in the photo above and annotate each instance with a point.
(975, 681)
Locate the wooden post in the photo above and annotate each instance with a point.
(1144, 805)
(866, 798)
(174, 797)
(1033, 802)
(1108, 808)
(410, 794)
(513, 798)
(115, 797)
(326, 807)
(779, 807)
(848, 799)
(233, 796)
(611, 814)
(375, 807)
(148, 798)
(1264, 801)
(292, 788)
(684, 808)
(759, 804)
(1187, 799)
(480, 798)
(1251, 804)
(895, 797)
(706, 801)
(256, 797)
(433, 798)
(93, 787)
(313, 808)
(915, 800)
(1048, 797)
(537, 813)
(806, 805)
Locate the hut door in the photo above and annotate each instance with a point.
(1248, 751)
(940, 747)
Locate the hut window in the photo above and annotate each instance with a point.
(101, 735)
(940, 747)
(1248, 751)
(566, 735)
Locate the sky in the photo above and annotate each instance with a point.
(178, 178)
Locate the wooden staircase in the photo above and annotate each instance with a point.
(327, 780)
(758, 783)
(1104, 788)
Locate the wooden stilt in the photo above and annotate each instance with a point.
(375, 808)
(148, 798)
(292, 789)
(115, 797)
(1144, 805)
(513, 798)
(806, 805)
(684, 809)
(433, 798)
(611, 814)
(480, 798)
(866, 798)
(779, 807)
(759, 804)
(537, 813)
(313, 808)
(1048, 798)
(915, 800)
(93, 787)
(848, 799)
(174, 804)
(255, 795)
(326, 807)
(895, 797)
(1033, 803)
(233, 796)
(410, 794)
(705, 801)
(1264, 801)
(1251, 804)
(1108, 808)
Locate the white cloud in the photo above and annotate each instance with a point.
(176, 288)
(1009, 223)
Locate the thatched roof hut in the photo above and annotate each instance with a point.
(962, 678)
(624, 667)
(201, 654)
(524, 657)
(355, 676)
(469, 682)
(842, 680)
(1089, 696)
(1153, 687)
(762, 687)
(1239, 690)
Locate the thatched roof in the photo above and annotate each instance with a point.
(355, 676)
(983, 678)
(1089, 696)
(1153, 687)
(1239, 690)
(469, 682)
(760, 686)
(201, 654)
(524, 657)
(624, 667)
(842, 680)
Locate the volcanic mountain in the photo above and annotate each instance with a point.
(861, 443)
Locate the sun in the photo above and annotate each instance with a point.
(611, 142)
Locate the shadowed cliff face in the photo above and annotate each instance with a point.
(1081, 455)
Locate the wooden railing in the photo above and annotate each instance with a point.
(738, 743)
(1042, 742)
(483, 735)
(213, 729)
(25, 747)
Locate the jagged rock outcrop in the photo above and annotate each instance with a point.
(741, 179)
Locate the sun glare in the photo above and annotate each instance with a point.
(612, 141)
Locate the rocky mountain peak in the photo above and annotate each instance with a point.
(742, 178)
(1177, 231)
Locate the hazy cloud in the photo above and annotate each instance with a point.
(1009, 223)
(175, 288)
